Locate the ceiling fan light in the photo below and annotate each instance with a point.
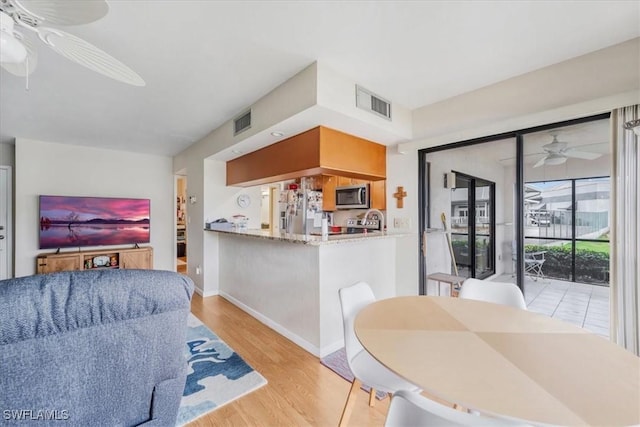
(633, 125)
(11, 50)
(554, 159)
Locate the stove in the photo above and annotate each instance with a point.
(355, 225)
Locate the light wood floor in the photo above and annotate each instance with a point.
(182, 268)
(300, 392)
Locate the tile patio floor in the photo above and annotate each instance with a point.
(586, 306)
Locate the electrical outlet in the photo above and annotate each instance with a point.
(402, 222)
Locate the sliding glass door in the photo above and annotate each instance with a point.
(530, 206)
(472, 187)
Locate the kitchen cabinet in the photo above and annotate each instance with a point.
(344, 181)
(378, 194)
(314, 183)
(318, 151)
(329, 184)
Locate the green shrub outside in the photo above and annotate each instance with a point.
(591, 266)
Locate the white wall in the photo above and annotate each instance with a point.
(402, 171)
(510, 104)
(60, 169)
(337, 93)
(220, 201)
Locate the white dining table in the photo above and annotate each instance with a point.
(503, 361)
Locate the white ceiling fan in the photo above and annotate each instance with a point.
(18, 55)
(557, 152)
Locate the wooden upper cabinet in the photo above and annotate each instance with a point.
(329, 184)
(378, 194)
(318, 151)
(354, 157)
(345, 181)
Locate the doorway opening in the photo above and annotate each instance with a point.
(181, 224)
(473, 225)
(6, 247)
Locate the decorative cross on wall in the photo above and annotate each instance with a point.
(399, 195)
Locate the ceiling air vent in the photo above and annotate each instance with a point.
(371, 102)
(242, 123)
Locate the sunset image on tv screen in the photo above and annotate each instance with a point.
(93, 221)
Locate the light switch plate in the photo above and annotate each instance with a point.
(402, 222)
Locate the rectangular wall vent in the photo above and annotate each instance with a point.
(242, 123)
(369, 101)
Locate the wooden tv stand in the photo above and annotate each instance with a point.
(136, 257)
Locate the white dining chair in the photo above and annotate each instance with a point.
(365, 368)
(496, 292)
(410, 409)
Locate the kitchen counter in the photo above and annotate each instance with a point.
(290, 282)
(308, 240)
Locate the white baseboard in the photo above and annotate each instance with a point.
(204, 295)
(306, 345)
(328, 349)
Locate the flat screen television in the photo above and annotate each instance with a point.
(93, 221)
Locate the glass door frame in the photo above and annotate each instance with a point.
(573, 240)
(472, 223)
(424, 181)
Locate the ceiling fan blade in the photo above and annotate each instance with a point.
(87, 55)
(65, 12)
(26, 67)
(540, 162)
(595, 147)
(581, 154)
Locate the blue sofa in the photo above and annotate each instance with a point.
(93, 348)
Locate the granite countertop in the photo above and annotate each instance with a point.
(308, 240)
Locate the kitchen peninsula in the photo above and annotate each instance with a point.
(290, 282)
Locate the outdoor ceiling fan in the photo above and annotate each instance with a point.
(557, 152)
(17, 52)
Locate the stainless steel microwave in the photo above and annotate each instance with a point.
(353, 197)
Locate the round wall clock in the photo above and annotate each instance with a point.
(244, 200)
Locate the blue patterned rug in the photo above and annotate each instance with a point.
(216, 376)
